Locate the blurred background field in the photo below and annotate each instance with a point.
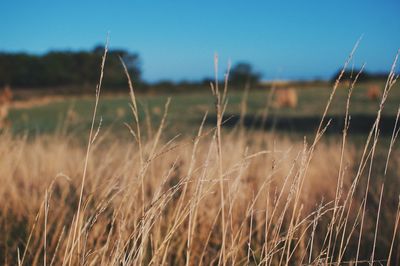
(187, 109)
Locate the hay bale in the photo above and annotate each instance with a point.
(286, 98)
(5, 101)
(6, 95)
(374, 93)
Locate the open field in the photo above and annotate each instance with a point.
(187, 109)
(224, 197)
(209, 133)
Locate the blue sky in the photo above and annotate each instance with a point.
(177, 39)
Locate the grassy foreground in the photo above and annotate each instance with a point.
(222, 197)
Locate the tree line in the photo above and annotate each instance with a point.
(364, 76)
(81, 69)
(66, 68)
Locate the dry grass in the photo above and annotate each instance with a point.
(218, 198)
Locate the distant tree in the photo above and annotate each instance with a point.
(207, 81)
(243, 73)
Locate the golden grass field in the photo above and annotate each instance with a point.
(222, 197)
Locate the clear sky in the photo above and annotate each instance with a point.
(177, 39)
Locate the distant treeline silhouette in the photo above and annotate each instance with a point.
(81, 70)
(65, 68)
(364, 76)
